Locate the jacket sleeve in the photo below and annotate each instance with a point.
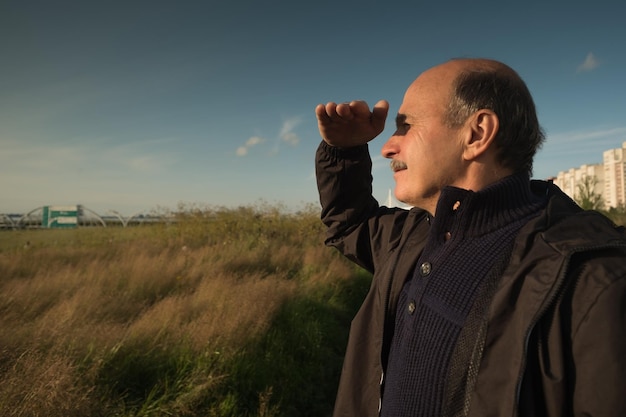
(357, 226)
(599, 352)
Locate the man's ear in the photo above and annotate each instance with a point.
(483, 127)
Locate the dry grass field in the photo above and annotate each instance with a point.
(237, 312)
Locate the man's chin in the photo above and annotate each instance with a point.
(401, 198)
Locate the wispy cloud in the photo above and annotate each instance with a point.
(90, 156)
(145, 163)
(589, 64)
(39, 157)
(581, 136)
(253, 141)
(89, 172)
(565, 150)
(561, 150)
(287, 134)
(142, 157)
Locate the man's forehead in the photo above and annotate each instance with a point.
(436, 81)
(421, 102)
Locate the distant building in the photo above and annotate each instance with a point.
(569, 180)
(610, 177)
(614, 176)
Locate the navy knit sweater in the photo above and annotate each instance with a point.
(470, 231)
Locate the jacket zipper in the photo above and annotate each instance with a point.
(392, 272)
(399, 249)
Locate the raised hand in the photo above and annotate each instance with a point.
(350, 124)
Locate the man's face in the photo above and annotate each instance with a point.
(426, 154)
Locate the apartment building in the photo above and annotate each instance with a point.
(569, 180)
(610, 177)
(614, 173)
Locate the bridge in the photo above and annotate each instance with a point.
(73, 216)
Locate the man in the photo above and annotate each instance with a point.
(495, 295)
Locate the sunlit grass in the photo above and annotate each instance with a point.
(226, 312)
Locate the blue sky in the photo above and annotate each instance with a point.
(142, 105)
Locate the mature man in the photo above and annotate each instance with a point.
(495, 295)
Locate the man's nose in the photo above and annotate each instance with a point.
(390, 148)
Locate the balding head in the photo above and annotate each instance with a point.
(488, 84)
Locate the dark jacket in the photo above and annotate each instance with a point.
(548, 338)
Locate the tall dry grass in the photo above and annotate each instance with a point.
(189, 318)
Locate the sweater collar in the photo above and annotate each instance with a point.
(472, 213)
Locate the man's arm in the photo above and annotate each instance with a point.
(357, 227)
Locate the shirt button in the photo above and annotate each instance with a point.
(411, 307)
(425, 268)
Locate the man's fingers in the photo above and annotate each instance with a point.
(382, 105)
(379, 113)
(357, 109)
(360, 109)
(320, 110)
(326, 112)
(331, 109)
(321, 113)
(344, 111)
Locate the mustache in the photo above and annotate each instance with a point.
(397, 165)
